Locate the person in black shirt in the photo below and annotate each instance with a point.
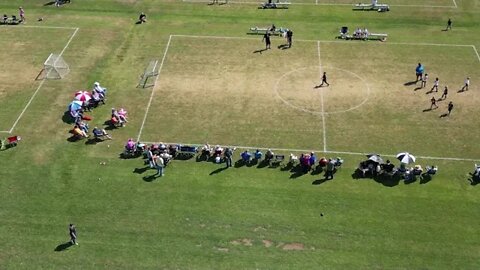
(289, 38)
(324, 80)
(266, 38)
(449, 24)
(450, 107)
(73, 234)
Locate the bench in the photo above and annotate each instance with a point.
(10, 21)
(150, 72)
(378, 7)
(272, 5)
(371, 36)
(262, 30)
(187, 150)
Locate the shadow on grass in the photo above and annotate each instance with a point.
(410, 83)
(63, 246)
(67, 118)
(425, 178)
(283, 47)
(262, 164)
(259, 51)
(49, 3)
(149, 178)
(219, 170)
(387, 180)
(141, 170)
(320, 181)
(443, 115)
(474, 180)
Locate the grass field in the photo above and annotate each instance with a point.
(217, 85)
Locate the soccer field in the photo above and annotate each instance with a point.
(217, 84)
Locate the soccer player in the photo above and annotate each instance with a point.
(445, 93)
(435, 85)
(424, 80)
(73, 234)
(21, 12)
(466, 84)
(433, 103)
(450, 107)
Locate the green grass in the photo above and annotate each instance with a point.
(198, 217)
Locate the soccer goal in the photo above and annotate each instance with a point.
(149, 75)
(55, 67)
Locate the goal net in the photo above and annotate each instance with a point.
(55, 67)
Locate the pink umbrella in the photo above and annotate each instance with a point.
(83, 96)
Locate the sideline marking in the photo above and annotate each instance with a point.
(455, 3)
(321, 4)
(324, 131)
(326, 152)
(154, 87)
(335, 41)
(44, 79)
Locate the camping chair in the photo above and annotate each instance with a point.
(10, 142)
(277, 160)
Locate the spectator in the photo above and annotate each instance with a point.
(21, 12)
(228, 156)
(388, 167)
(78, 132)
(329, 170)
(160, 165)
(246, 157)
(98, 133)
(258, 155)
(269, 155)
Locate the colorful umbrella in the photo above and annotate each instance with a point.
(75, 105)
(83, 96)
(406, 158)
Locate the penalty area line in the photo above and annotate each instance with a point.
(154, 87)
(41, 83)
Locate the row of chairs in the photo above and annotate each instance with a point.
(10, 20)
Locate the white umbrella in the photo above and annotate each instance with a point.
(375, 158)
(406, 158)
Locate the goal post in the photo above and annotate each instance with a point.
(55, 67)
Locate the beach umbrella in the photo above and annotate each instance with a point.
(83, 96)
(406, 158)
(75, 105)
(375, 158)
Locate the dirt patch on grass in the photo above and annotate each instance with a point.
(267, 243)
(293, 246)
(222, 249)
(245, 241)
(259, 228)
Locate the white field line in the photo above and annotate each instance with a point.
(335, 41)
(4, 131)
(47, 27)
(325, 152)
(320, 4)
(154, 87)
(476, 52)
(41, 83)
(324, 131)
(455, 3)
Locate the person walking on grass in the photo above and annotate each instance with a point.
(450, 107)
(466, 84)
(419, 71)
(329, 169)
(266, 38)
(445, 93)
(289, 38)
(424, 80)
(433, 104)
(228, 157)
(449, 24)
(324, 80)
(435, 85)
(21, 13)
(160, 165)
(73, 234)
